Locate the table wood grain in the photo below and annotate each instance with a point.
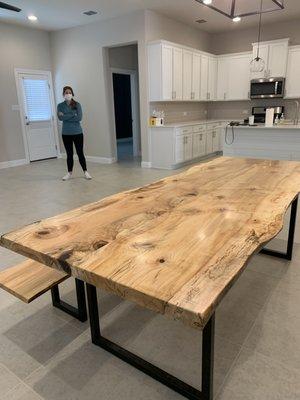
(175, 246)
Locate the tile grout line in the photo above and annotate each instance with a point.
(20, 381)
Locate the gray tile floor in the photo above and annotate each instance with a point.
(45, 354)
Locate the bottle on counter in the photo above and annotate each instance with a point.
(282, 118)
(276, 122)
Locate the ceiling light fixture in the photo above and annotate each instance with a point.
(258, 64)
(32, 18)
(229, 7)
(236, 19)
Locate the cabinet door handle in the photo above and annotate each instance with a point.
(224, 96)
(174, 94)
(208, 96)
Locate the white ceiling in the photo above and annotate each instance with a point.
(60, 14)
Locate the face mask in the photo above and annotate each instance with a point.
(68, 97)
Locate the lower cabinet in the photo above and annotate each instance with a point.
(171, 147)
(199, 144)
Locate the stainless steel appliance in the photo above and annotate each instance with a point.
(265, 88)
(260, 113)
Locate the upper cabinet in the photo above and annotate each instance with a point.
(275, 55)
(165, 72)
(234, 77)
(293, 75)
(180, 74)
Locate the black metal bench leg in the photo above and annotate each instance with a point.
(156, 373)
(80, 312)
(290, 244)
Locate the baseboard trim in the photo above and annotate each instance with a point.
(98, 160)
(13, 163)
(146, 164)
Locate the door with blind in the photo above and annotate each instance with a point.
(38, 115)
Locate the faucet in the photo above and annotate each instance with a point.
(296, 120)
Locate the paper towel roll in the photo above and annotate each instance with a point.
(269, 116)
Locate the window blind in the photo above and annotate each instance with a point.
(37, 99)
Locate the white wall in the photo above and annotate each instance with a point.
(80, 59)
(242, 39)
(19, 48)
(125, 57)
(161, 27)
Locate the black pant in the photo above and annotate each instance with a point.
(78, 142)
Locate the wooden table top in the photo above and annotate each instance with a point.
(175, 246)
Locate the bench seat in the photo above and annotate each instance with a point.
(30, 279)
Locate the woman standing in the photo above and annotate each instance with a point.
(70, 113)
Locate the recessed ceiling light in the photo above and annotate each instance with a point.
(236, 19)
(32, 18)
(89, 13)
(207, 1)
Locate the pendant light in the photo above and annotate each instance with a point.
(258, 64)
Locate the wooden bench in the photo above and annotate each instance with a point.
(30, 279)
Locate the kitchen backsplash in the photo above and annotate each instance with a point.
(242, 109)
(180, 111)
(229, 110)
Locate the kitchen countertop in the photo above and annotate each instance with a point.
(190, 123)
(263, 127)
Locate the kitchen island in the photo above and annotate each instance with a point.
(280, 142)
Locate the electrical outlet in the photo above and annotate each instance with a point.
(185, 113)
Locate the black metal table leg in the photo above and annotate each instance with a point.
(80, 312)
(156, 373)
(290, 244)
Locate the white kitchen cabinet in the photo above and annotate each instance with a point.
(212, 77)
(222, 78)
(165, 72)
(209, 142)
(238, 77)
(187, 74)
(183, 148)
(233, 81)
(171, 147)
(293, 74)
(199, 144)
(208, 80)
(215, 140)
(196, 74)
(204, 78)
(177, 74)
(275, 55)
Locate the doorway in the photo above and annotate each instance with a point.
(123, 114)
(35, 94)
(123, 75)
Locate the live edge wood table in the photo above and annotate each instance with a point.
(175, 246)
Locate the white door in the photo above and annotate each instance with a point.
(212, 78)
(180, 148)
(177, 74)
(278, 55)
(187, 74)
(204, 78)
(196, 76)
(293, 75)
(238, 78)
(167, 73)
(38, 116)
(188, 147)
(222, 80)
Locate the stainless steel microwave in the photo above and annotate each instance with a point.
(265, 88)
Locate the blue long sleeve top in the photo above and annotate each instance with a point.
(71, 118)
